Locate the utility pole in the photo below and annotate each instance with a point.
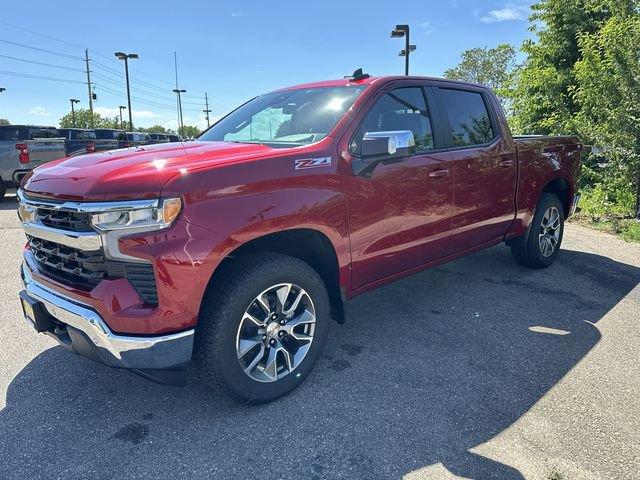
(86, 59)
(126, 57)
(206, 110)
(121, 107)
(399, 32)
(73, 111)
(179, 91)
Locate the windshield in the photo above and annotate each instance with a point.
(287, 118)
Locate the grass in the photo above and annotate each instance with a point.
(626, 228)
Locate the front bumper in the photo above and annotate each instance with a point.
(80, 329)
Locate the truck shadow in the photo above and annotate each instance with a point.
(423, 371)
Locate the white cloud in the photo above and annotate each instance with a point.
(40, 111)
(427, 27)
(237, 14)
(506, 14)
(115, 112)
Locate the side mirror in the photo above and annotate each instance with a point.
(381, 146)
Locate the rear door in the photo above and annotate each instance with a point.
(399, 212)
(484, 166)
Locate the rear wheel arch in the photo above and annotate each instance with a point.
(561, 188)
(306, 244)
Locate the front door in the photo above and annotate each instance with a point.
(399, 213)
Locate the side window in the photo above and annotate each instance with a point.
(468, 117)
(400, 109)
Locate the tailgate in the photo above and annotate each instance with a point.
(43, 150)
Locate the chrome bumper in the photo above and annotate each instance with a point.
(86, 333)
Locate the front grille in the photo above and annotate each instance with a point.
(65, 220)
(85, 270)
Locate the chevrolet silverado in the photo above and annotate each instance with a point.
(234, 251)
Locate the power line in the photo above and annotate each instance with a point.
(41, 49)
(41, 63)
(38, 77)
(41, 34)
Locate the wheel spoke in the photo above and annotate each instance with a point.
(282, 294)
(295, 303)
(248, 344)
(251, 318)
(302, 319)
(271, 367)
(255, 361)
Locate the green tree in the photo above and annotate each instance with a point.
(4, 121)
(155, 129)
(189, 131)
(83, 120)
(493, 67)
(542, 100)
(608, 94)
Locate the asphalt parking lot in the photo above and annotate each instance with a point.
(477, 369)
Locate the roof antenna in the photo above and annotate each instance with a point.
(358, 75)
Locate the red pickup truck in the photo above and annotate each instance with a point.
(234, 251)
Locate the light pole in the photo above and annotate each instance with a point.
(179, 91)
(126, 57)
(121, 107)
(73, 111)
(399, 32)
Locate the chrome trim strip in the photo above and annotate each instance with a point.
(86, 241)
(88, 207)
(156, 352)
(574, 205)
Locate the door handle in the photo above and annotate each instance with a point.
(505, 164)
(439, 174)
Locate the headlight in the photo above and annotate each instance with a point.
(26, 213)
(154, 217)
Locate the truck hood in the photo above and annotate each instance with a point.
(134, 173)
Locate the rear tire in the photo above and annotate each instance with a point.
(541, 246)
(251, 354)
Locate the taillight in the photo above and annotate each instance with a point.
(23, 156)
(91, 147)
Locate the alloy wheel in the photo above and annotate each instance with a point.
(549, 232)
(276, 332)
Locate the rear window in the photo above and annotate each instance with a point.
(43, 133)
(10, 133)
(84, 135)
(110, 135)
(468, 117)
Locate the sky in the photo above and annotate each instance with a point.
(232, 50)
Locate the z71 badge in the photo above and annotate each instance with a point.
(312, 163)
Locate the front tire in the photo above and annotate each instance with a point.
(541, 246)
(262, 327)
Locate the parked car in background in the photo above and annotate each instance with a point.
(237, 249)
(138, 138)
(78, 140)
(158, 138)
(24, 147)
(111, 134)
(172, 138)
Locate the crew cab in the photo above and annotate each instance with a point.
(24, 147)
(235, 250)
